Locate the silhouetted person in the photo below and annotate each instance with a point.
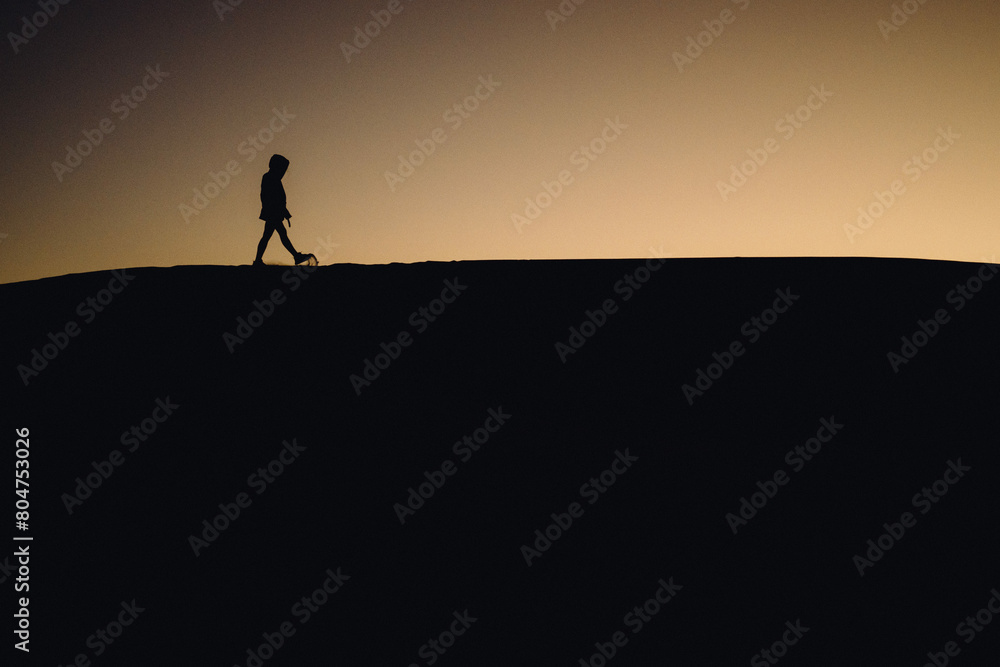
(273, 211)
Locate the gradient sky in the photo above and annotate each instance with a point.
(654, 190)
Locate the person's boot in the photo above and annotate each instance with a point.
(301, 257)
(258, 262)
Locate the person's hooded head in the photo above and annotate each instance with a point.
(278, 164)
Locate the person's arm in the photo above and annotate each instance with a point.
(287, 214)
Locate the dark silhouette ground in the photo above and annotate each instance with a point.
(476, 403)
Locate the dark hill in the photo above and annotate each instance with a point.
(828, 402)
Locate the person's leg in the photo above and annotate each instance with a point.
(285, 241)
(268, 231)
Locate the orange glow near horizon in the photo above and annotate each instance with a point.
(627, 148)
